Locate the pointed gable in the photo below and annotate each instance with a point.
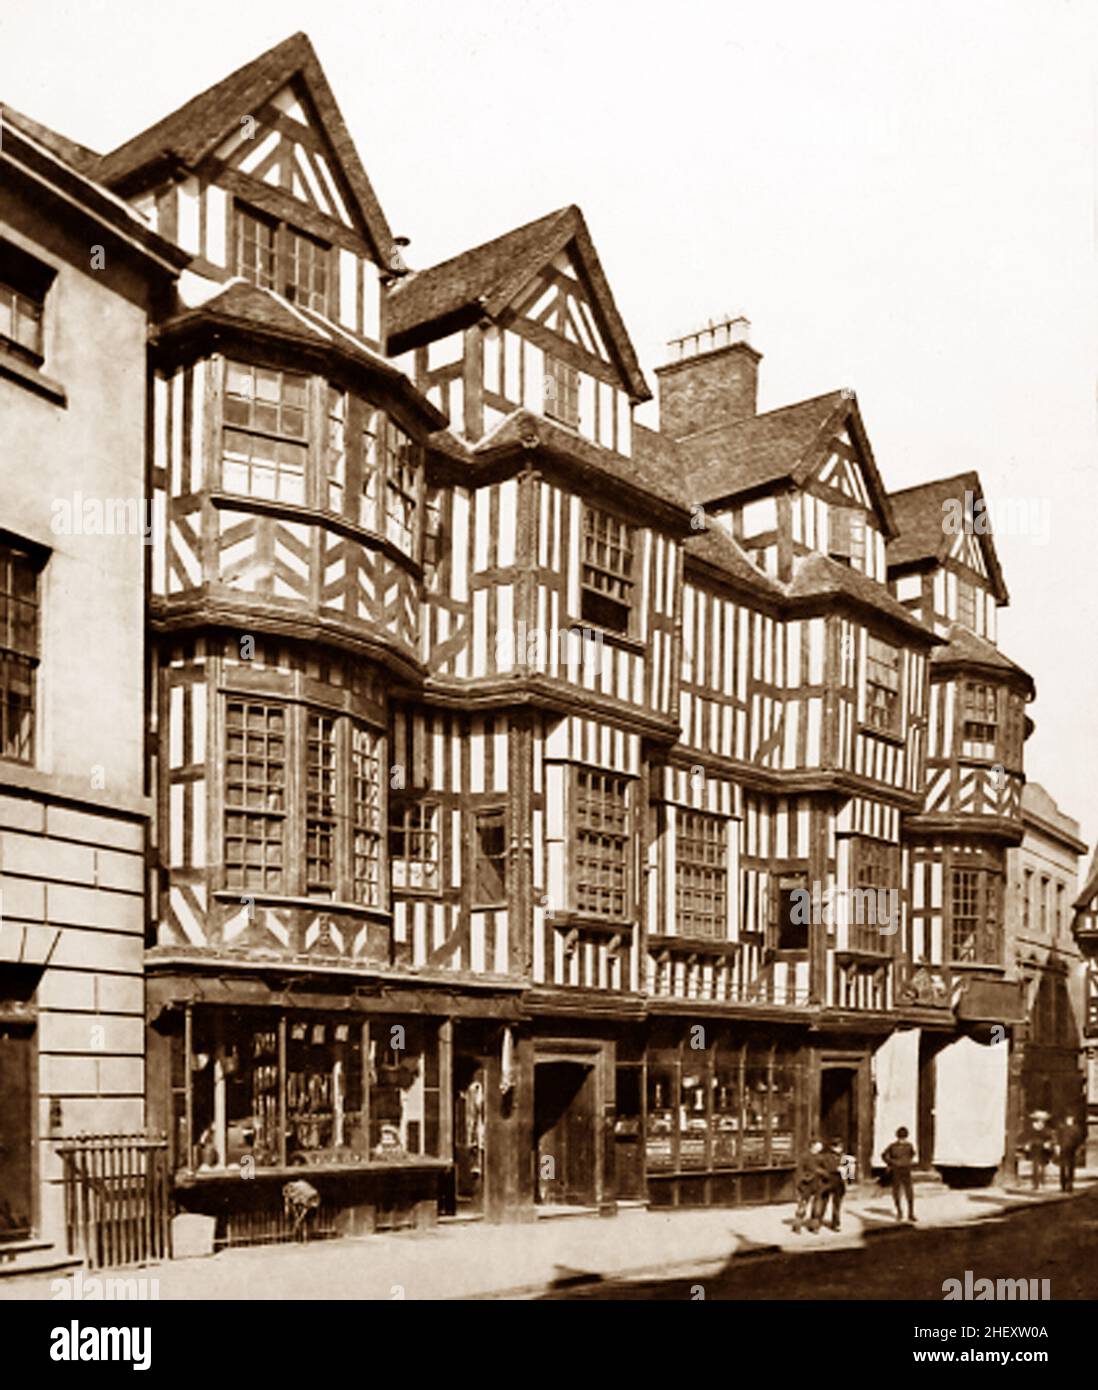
(546, 271)
(923, 537)
(820, 440)
(276, 121)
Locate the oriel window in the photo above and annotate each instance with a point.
(366, 816)
(974, 925)
(607, 575)
(18, 652)
(321, 805)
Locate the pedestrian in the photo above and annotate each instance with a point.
(831, 1188)
(1038, 1151)
(806, 1182)
(898, 1159)
(1069, 1140)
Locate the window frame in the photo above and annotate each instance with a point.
(27, 282)
(700, 877)
(974, 700)
(331, 813)
(601, 810)
(985, 901)
(426, 834)
(875, 664)
(276, 431)
(562, 390)
(494, 817)
(20, 644)
(607, 585)
(286, 239)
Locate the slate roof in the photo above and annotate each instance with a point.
(187, 135)
(789, 443)
(486, 278)
(919, 514)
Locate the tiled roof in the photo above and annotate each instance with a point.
(965, 648)
(790, 443)
(522, 427)
(818, 574)
(715, 547)
(920, 512)
(485, 279)
(244, 304)
(197, 127)
(730, 459)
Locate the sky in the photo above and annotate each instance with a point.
(900, 197)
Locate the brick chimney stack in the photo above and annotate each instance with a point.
(711, 378)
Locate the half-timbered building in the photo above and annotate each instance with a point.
(548, 810)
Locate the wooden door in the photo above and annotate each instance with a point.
(564, 1133)
(17, 1053)
(838, 1107)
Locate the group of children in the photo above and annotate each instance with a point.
(819, 1181)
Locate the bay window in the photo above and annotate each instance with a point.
(302, 813)
(365, 467)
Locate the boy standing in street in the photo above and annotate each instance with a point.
(898, 1159)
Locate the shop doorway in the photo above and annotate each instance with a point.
(564, 1133)
(17, 1058)
(470, 1124)
(839, 1107)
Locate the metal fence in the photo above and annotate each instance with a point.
(116, 1198)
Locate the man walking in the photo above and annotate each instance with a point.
(1069, 1140)
(806, 1183)
(898, 1159)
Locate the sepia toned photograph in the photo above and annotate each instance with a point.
(547, 605)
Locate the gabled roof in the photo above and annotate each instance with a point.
(920, 512)
(965, 648)
(789, 444)
(245, 306)
(486, 279)
(192, 132)
(713, 546)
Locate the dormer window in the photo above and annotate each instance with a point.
(561, 391)
(607, 578)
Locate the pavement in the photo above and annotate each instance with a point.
(470, 1260)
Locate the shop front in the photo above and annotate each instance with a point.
(360, 1095)
(725, 1112)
